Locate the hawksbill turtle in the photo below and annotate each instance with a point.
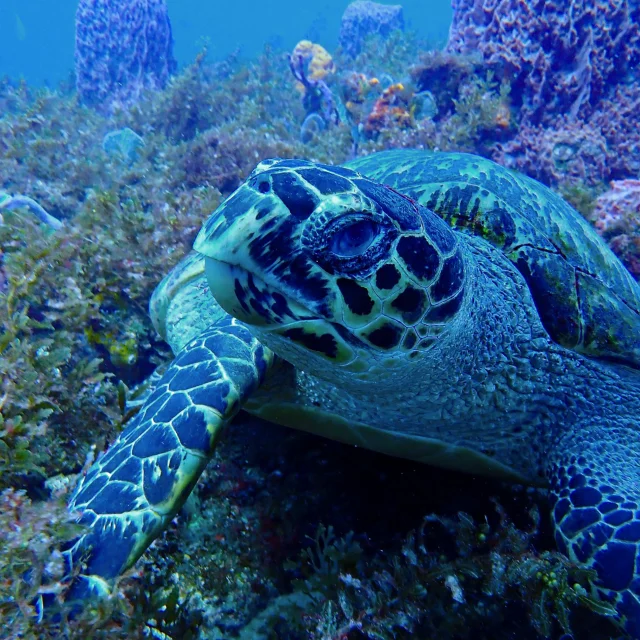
(433, 306)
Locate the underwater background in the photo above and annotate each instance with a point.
(38, 35)
(107, 172)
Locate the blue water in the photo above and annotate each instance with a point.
(36, 36)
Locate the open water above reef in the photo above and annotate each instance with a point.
(37, 36)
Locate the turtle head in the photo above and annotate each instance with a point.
(331, 269)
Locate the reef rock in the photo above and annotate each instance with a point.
(122, 48)
(363, 18)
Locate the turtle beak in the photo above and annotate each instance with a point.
(224, 235)
(234, 278)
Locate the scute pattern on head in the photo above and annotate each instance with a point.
(327, 262)
(586, 299)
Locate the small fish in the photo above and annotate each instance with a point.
(21, 32)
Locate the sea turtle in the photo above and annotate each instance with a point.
(433, 306)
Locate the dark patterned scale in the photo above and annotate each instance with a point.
(586, 299)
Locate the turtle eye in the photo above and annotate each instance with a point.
(353, 239)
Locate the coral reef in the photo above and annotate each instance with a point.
(317, 60)
(123, 48)
(249, 556)
(392, 108)
(569, 153)
(123, 144)
(618, 121)
(559, 58)
(616, 216)
(311, 66)
(364, 18)
(443, 74)
(578, 61)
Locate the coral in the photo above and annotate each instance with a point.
(442, 74)
(123, 144)
(618, 208)
(618, 119)
(74, 336)
(616, 217)
(123, 48)
(391, 109)
(481, 115)
(316, 61)
(74, 329)
(356, 89)
(364, 18)
(568, 154)
(578, 62)
(559, 58)
(471, 107)
(311, 66)
(386, 58)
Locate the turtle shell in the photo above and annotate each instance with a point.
(585, 297)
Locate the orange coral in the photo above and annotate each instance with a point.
(392, 108)
(503, 117)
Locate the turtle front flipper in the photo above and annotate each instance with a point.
(131, 493)
(595, 482)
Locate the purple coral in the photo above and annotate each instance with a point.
(363, 18)
(122, 48)
(561, 57)
(578, 60)
(618, 118)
